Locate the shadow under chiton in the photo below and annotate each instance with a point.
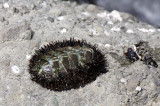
(65, 65)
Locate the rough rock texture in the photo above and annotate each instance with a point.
(144, 10)
(24, 32)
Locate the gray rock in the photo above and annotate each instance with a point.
(91, 8)
(1, 19)
(6, 22)
(1, 6)
(110, 31)
(51, 19)
(15, 32)
(24, 10)
(133, 82)
(27, 35)
(15, 10)
(33, 6)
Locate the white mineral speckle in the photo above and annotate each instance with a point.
(6, 5)
(123, 80)
(60, 18)
(102, 15)
(134, 48)
(15, 69)
(143, 30)
(50, 62)
(130, 31)
(44, 3)
(19, 20)
(114, 15)
(85, 13)
(63, 30)
(28, 57)
(106, 33)
(94, 32)
(1, 99)
(146, 30)
(110, 22)
(107, 45)
(99, 44)
(138, 88)
(152, 30)
(8, 87)
(115, 29)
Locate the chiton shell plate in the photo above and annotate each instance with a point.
(65, 65)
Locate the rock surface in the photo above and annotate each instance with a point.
(24, 31)
(144, 10)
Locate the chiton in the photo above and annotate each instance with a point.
(66, 64)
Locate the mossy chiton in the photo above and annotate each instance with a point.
(65, 65)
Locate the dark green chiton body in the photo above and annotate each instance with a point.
(65, 65)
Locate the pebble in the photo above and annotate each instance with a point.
(91, 7)
(33, 6)
(6, 22)
(146, 30)
(1, 6)
(133, 82)
(26, 35)
(85, 13)
(99, 44)
(130, 31)
(44, 4)
(15, 10)
(51, 19)
(6, 5)
(115, 29)
(152, 30)
(8, 87)
(143, 30)
(94, 32)
(60, 18)
(106, 33)
(19, 20)
(110, 22)
(28, 57)
(138, 88)
(123, 80)
(1, 19)
(115, 15)
(156, 82)
(102, 15)
(107, 45)
(1, 99)
(24, 10)
(15, 69)
(63, 30)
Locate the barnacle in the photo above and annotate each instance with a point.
(145, 52)
(142, 52)
(67, 64)
(131, 55)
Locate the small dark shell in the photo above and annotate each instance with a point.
(65, 65)
(131, 55)
(148, 60)
(145, 52)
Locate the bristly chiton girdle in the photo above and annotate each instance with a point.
(67, 64)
